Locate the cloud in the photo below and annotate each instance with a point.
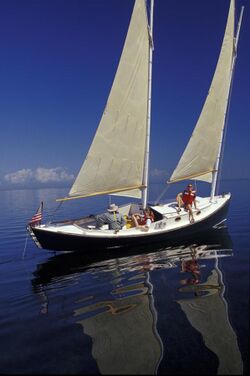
(40, 175)
(19, 177)
(157, 173)
(57, 174)
(157, 176)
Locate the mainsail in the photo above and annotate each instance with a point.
(199, 158)
(115, 160)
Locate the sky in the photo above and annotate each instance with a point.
(58, 61)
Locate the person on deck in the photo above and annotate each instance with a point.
(144, 220)
(186, 199)
(113, 218)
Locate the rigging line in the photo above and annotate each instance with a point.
(195, 184)
(54, 212)
(161, 194)
(225, 133)
(25, 246)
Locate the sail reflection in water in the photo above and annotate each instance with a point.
(118, 303)
(123, 329)
(207, 312)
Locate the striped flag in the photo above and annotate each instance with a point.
(37, 218)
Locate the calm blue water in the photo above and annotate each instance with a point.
(142, 312)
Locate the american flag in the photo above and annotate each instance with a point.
(36, 219)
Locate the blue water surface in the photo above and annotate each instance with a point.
(179, 309)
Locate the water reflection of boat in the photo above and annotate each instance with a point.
(207, 312)
(119, 312)
(123, 330)
(68, 263)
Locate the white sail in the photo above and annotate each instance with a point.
(199, 158)
(116, 157)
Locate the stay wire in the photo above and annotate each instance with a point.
(162, 194)
(54, 212)
(25, 246)
(225, 132)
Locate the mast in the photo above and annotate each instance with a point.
(217, 163)
(146, 158)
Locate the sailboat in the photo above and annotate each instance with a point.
(120, 150)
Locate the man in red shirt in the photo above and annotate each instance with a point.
(186, 199)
